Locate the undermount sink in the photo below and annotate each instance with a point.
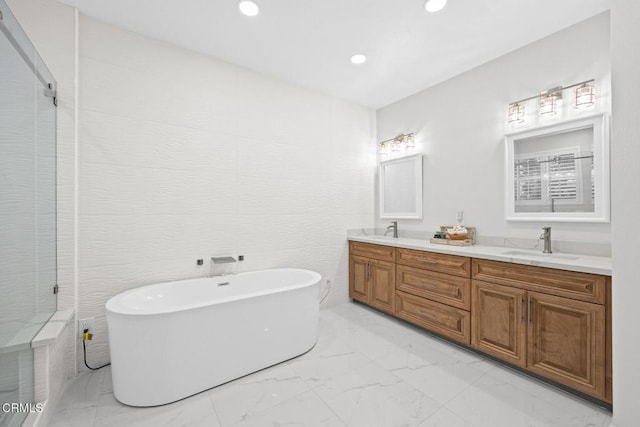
(541, 255)
(381, 238)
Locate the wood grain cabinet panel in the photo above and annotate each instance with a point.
(444, 288)
(498, 322)
(372, 281)
(382, 285)
(448, 264)
(443, 319)
(359, 278)
(368, 250)
(570, 284)
(567, 342)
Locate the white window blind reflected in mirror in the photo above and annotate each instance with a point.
(559, 172)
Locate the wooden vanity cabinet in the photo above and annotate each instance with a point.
(433, 291)
(553, 323)
(524, 315)
(372, 272)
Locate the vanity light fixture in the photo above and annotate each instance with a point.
(585, 95)
(248, 8)
(402, 143)
(358, 58)
(549, 101)
(516, 112)
(434, 5)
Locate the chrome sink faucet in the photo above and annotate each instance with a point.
(394, 227)
(546, 236)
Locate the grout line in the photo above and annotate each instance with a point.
(313, 390)
(213, 406)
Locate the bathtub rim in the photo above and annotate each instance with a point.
(114, 305)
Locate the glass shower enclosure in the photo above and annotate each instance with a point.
(27, 212)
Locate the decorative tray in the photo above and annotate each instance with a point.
(470, 240)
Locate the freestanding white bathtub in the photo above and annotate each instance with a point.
(171, 340)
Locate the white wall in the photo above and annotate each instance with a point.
(460, 127)
(625, 57)
(184, 157)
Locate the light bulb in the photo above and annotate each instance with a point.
(248, 8)
(358, 58)
(435, 5)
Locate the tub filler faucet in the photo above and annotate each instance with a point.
(546, 236)
(222, 259)
(219, 260)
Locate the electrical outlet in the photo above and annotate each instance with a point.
(87, 323)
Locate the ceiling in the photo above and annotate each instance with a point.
(309, 42)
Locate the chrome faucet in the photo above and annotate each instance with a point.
(394, 227)
(546, 236)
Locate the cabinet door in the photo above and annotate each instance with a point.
(498, 321)
(359, 278)
(382, 277)
(567, 342)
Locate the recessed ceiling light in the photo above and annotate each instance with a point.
(434, 5)
(358, 58)
(248, 8)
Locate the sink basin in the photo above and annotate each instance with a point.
(381, 238)
(541, 255)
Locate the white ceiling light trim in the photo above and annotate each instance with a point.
(358, 58)
(248, 8)
(435, 5)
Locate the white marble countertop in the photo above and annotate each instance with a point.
(562, 261)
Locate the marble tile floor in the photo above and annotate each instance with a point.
(366, 370)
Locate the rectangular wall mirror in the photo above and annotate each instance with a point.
(401, 188)
(559, 172)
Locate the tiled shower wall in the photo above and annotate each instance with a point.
(184, 157)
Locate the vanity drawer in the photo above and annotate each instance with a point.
(444, 288)
(441, 263)
(570, 284)
(383, 253)
(440, 318)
